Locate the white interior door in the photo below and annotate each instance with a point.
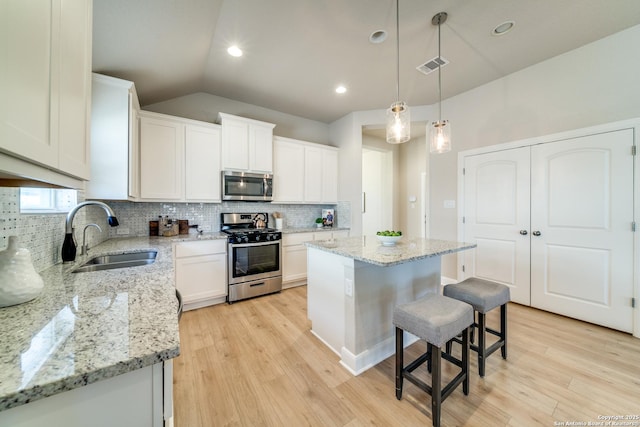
(496, 218)
(377, 195)
(581, 216)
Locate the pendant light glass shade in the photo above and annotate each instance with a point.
(398, 123)
(440, 137)
(398, 118)
(439, 131)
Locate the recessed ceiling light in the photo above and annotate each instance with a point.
(378, 36)
(341, 89)
(234, 51)
(503, 28)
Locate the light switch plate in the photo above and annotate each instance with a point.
(348, 287)
(449, 204)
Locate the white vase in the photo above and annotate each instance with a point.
(19, 281)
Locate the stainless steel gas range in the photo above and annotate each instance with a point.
(254, 255)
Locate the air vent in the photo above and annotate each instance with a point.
(432, 65)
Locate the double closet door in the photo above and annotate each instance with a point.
(554, 222)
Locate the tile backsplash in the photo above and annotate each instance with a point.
(134, 217)
(43, 234)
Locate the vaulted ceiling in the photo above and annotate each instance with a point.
(296, 52)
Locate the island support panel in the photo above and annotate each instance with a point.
(350, 303)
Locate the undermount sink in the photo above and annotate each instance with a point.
(109, 262)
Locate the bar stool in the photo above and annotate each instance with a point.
(484, 296)
(435, 319)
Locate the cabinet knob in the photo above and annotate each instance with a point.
(524, 232)
(536, 233)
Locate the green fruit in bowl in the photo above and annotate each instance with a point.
(389, 233)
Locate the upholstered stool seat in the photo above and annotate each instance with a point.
(436, 319)
(484, 296)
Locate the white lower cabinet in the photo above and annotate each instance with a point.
(294, 254)
(294, 259)
(201, 272)
(140, 398)
(338, 234)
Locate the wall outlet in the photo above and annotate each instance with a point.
(348, 287)
(122, 231)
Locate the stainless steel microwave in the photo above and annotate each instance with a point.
(245, 186)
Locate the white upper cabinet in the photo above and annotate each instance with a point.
(179, 159)
(330, 175)
(161, 158)
(114, 140)
(288, 167)
(313, 174)
(45, 83)
(202, 163)
(247, 145)
(304, 172)
(75, 88)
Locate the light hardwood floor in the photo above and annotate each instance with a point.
(256, 363)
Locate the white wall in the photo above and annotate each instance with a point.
(348, 137)
(597, 83)
(205, 107)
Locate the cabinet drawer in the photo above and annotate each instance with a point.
(340, 234)
(323, 235)
(296, 238)
(205, 247)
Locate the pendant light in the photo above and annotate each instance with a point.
(398, 118)
(440, 131)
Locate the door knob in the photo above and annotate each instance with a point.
(536, 233)
(524, 232)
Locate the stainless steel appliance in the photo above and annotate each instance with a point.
(254, 255)
(244, 186)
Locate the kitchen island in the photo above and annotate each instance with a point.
(354, 283)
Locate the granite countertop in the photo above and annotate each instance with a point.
(312, 229)
(369, 249)
(86, 327)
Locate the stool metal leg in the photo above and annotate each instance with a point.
(465, 360)
(436, 389)
(399, 362)
(482, 337)
(503, 330)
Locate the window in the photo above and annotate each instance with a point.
(47, 200)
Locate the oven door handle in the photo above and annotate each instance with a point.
(253, 244)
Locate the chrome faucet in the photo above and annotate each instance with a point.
(69, 245)
(84, 249)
